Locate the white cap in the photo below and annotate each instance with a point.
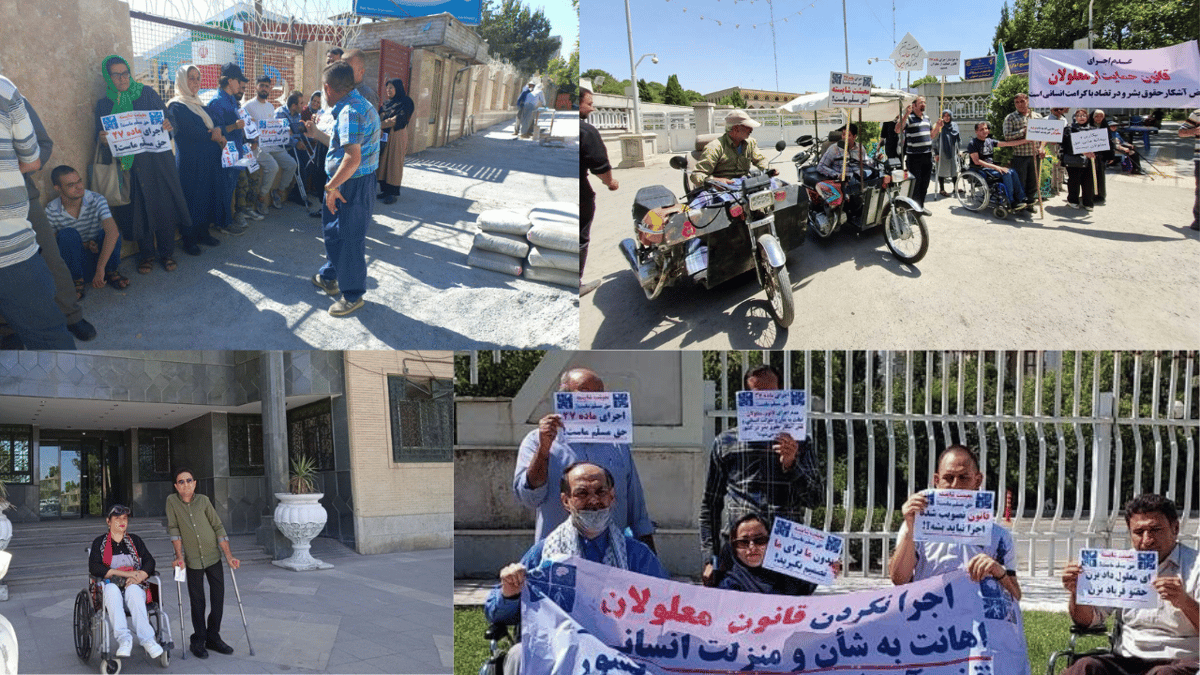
(739, 117)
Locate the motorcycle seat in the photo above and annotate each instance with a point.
(650, 198)
(810, 176)
(702, 141)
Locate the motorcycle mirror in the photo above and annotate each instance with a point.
(678, 162)
(780, 145)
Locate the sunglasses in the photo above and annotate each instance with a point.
(760, 542)
(118, 510)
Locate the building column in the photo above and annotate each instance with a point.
(275, 450)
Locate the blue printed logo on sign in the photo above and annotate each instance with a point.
(1146, 560)
(156, 117)
(745, 399)
(797, 398)
(983, 500)
(110, 123)
(555, 581)
(833, 543)
(989, 587)
(1088, 558)
(620, 400)
(564, 401)
(262, 124)
(929, 496)
(782, 529)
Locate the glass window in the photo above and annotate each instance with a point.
(154, 454)
(15, 442)
(422, 412)
(245, 445)
(310, 433)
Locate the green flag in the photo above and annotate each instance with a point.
(1001, 70)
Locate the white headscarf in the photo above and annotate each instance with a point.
(189, 98)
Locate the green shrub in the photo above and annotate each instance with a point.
(1000, 105)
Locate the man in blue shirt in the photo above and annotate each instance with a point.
(586, 491)
(352, 129)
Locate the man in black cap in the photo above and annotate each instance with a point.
(223, 110)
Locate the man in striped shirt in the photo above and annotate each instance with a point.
(26, 286)
(918, 134)
(87, 235)
(1191, 129)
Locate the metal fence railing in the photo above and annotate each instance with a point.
(1064, 438)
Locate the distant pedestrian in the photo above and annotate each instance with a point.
(919, 135)
(397, 110)
(520, 121)
(529, 110)
(593, 157)
(948, 144)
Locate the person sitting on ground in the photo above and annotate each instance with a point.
(587, 493)
(1160, 640)
(730, 156)
(982, 151)
(87, 235)
(743, 568)
(957, 469)
(292, 111)
(123, 563)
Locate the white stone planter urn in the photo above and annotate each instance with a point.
(5, 531)
(300, 518)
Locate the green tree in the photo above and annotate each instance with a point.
(928, 79)
(611, 85)
(674, 93)
(693, 96)
(564, 73)
(735, 99)
(1056, 24)
(516, 34)
(503, 377)
(999, 106)
(651, 92)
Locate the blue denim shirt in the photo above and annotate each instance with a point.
(353, 121)
(224, 111)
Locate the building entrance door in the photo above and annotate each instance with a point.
(69, 478)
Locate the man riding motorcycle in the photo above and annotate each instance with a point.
(731, 155)
(832, 190)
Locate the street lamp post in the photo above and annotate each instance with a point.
(876, 59)
(637, 108)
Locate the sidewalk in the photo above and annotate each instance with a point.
(384, 613)
(254, 291)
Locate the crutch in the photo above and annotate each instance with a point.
(241, 609)
(179, 596)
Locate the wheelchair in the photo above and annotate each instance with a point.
(978, 191)
(496, 635)
(94, 626)
(1073, 653)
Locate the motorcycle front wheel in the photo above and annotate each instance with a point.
(778, 286)
(906, 235)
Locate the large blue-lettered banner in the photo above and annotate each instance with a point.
(580, 618)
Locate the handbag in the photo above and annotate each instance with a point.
(108, 180)
(1073, 161)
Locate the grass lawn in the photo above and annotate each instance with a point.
(1045, 632)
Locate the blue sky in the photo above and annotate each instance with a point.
(562, 19)
(708, 57)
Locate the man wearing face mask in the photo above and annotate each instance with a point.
(587, 494)
(543, 456)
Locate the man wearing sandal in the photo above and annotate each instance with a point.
(87, 235)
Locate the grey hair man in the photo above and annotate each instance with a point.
(731, 155)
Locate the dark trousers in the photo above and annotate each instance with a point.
(389, 189)
(81, 261)
(1196, 204)
(229, 177)
(1112, 664)
(158, 241)
(27, 304)
(921, 167)
(346, 237)
(64, 289)
(1026, 170)
(1101, 167)
(215, 573)
(1079, 179)
(587, 212)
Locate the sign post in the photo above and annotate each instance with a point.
(848, 91)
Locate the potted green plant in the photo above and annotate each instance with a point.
(300, 516)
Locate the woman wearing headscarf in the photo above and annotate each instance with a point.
(393, 116)
(198, 145)
(123, 563)
(946, 149)
(743, 569)
(1080, 190)
(1102, 158)
(156, 203)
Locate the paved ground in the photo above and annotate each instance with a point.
(1124, 275)
(253, 291)
(388, 613)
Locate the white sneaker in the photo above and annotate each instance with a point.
(251, 213)
(153, 650)
(124, 647)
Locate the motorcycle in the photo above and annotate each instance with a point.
(874, 200)
(711, 238)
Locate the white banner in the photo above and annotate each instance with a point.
(251, 128)
(1095, 140)
(803, 552)
(1117, 578)
(956, 516)
(849, 91)
(944, 63)
(273, 133)
(135, 131)
(908, 54)
(763, 415)
(946, 625)
(595, 416)
(229, 155)
(1127, 78)
(1047, 129)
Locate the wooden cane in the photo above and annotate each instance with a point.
(1041, 209)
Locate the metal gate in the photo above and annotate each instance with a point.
(1064, 438)
(395, 60)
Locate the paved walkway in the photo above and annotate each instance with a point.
(388, 613)
(254, 291)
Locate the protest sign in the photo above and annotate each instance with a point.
(1117, 578)
(1132, 78)
(273, 133)
(763, 415)
(594, 416)
(135, 131)
(849, 91)
(251, 128)
(908, 54)
(944, 63)
(803, 552)
(577, 615)
(229, 155)
(248, 160)
(1095, 140)
(956, 516)
(1047, 129)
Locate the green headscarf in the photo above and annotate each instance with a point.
(122, 100)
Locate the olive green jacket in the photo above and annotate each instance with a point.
(197, 525)
(722, 160)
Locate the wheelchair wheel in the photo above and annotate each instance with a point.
(83, 625)
(974, 194)
(110, 666)
(165, 659)
(1000, 212)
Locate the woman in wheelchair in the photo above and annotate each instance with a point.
(120, 559)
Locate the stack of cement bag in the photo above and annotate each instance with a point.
(542, 244)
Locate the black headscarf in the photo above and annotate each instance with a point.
(399, 106)
(740, 577)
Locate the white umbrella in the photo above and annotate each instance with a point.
(885, 105)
